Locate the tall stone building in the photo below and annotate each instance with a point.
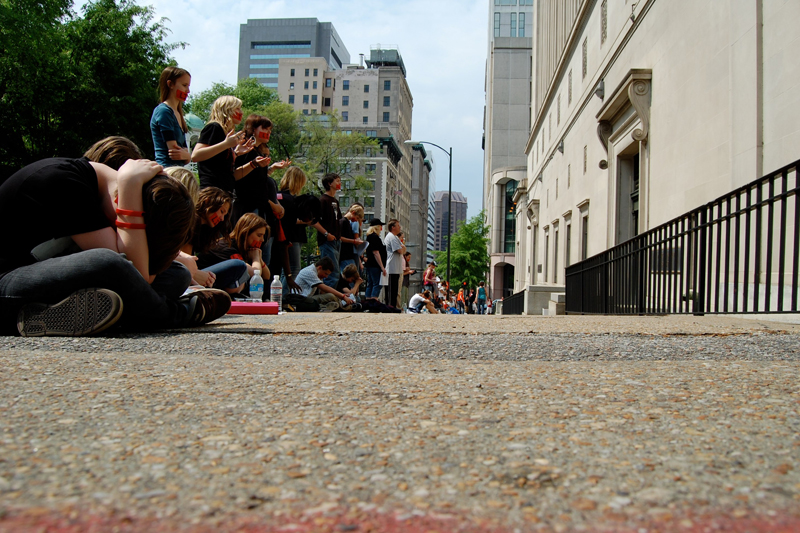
(374, 100)
(507, 121)
(419, 221)
(642, 111)
(442, 215)
(264, 42)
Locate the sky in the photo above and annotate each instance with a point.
(443, 44)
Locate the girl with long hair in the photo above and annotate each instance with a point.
(219, 145)
(167, 124)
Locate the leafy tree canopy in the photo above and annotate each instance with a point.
(254, 96)
(68, 80)
(469, 254)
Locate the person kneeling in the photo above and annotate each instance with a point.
(312, 289)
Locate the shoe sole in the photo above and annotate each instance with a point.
(84, 312)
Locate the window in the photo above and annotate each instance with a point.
(585, 157)
(315, 73)
(386, 116)
(305, 111)
(585, 237)
(603, 22)
(521, 30)
(345, 85)
(313, 98)
(513, 24)
(305, 85)
(326, 102)
(569, 89)
(364, 120)
(291, 98)
(370, 168)
(555, 254)
(556, 187)
(585, 61)
(314, 84)
(291, 86)
(368, 153)
(371, 133)
(306, 72)
(305, 98)
(369, 201)
(567, 244)
(507, 2)
(569, 175)
(387, 85)
(386, 101)
(370, 185)
(345, 116)
(558, 110)
(366, 104)
(327, 82)
(345, 100)
(291, 72)
(497, 24)
(366, 87)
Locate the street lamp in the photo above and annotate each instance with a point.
(449, 198)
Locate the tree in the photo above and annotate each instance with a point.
(254, 97)
(285, 136)
(66, 80)
(468, 253)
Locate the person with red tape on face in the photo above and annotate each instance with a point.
(211, 224)
(167, 124)
(244, 243)
(219, 145)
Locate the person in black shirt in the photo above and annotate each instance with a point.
(328, 229)
(347, 254)
(63, 273)
(376, 258)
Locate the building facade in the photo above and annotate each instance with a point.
(507, 122)
(419, 221)
(442, 215)
(264, 42)
(645, 110)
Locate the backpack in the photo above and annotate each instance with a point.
(301, 303)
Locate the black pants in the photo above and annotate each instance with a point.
(392, 289)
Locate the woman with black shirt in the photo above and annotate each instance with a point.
(376, 258)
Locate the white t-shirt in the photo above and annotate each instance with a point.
(394, 263)
(416, 300)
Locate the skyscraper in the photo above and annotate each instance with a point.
(264, 42)
(459, 202)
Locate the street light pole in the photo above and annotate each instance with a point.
(449, 198)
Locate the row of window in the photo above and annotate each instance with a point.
(365, 120)
(516, 22)
(584, 247)
(386, 102)
(584, 71)
(513, 2)
(387, 85)
(316, 72)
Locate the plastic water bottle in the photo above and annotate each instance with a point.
(257, 286)
(276, 291)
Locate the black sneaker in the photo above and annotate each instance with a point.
(84, 312)
(207, 305)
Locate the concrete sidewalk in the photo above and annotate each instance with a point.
(356, 422)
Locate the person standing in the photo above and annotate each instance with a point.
(376, 258)
(329, 233)
(429, 278)
(167, 124)
(481, 298)
(349, 238)
(394, 264)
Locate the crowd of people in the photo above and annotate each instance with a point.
(112, 239)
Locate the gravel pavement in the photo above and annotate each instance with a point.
(336, 422)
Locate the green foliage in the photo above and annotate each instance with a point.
(469, 254)
(254, 97)
(285, 136)
(325, 148)
(67, 81)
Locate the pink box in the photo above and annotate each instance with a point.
(253, 308)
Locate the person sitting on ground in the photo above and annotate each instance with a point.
(422, 300)
(68, 276)
(310, 281)
(244, 244)
(212, 208)
(186, 177)
(350, 281)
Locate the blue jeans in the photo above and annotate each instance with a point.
(481, 307)
(373, 282)
(145, 306)
(230, 274)
(331, 249)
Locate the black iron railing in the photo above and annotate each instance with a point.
(514, 304)
(737, 254)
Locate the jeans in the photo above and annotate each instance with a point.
(481, 307)
(294, 264)
(144, 306)
(392, 289)
(373, 283)
(331, 249)
(230, 274)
